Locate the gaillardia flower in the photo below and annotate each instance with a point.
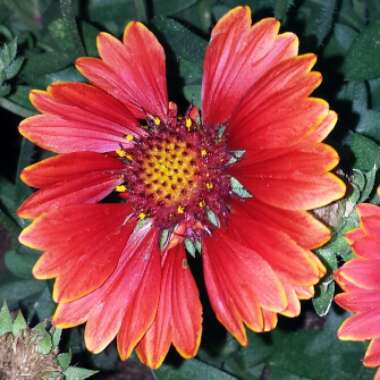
(233, 182)
(360, 280)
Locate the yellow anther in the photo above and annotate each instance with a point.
(180, 209)
(209, 185)
(129, 157)
(202, 204)
(121, 188)
(129, 137)
(121, 152)
(157, 121)
(141, 216)
(204, 152)
(188, 123)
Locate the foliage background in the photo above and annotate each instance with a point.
(39, 40)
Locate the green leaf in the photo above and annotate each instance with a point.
(310, 353)
(363, 59)
(15, 291)
(5, 320)
(171, 7)
(10, 226)
(185, 44)
(366, 152)
(64, 360)
(19, 324)
(281, 8)
(20, 264)
(190, 370)
(76, 373)
(239, 189)
(192, 94)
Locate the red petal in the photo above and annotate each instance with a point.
(82, 109)
(73, 178)
(295, 191)
(300, 226)
(107, 307)
(237, 57)
(60, 135)
(63, 167)
(238, 281)
(359, 300)
(281, 126)
(361, 326)
(361, 273)
(277, 249)
(179, 316)
(133, 72)
(74, 237)
(372, 356)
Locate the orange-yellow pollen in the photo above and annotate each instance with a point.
(129, 137)
(188, 123)
(180, 209)
(141, 216)
(156, 121)
(121, 152)
(129, 157)
(121, 188)
(202, 204)
(209, 185)
(204, 152)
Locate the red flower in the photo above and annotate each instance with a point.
(360, 280)
(175, 174)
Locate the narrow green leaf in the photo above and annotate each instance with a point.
(325, 20)
(213, 218)
(239, 189)
(323, 300)
(25, 158)
(164, 237)
(190, 247)
(5, 320)
(19, 324)
(56, 336)
(15, 291)
(370, 177)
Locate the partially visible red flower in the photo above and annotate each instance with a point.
(176, 173)
(360, 280)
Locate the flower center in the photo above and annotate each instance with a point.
(169, 171)
(176, 174)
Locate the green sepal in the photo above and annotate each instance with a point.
(19, 324)
(42, 339)
(5, 320)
